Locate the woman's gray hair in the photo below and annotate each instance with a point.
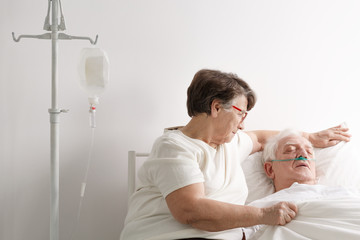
(269, 152)
(209, 85)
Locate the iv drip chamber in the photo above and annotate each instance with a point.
(94, 72)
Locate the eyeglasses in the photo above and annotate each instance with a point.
(243, 113)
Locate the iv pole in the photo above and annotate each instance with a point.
(54, 111)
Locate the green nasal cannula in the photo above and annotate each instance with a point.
(299, 158)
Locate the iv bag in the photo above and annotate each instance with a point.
(94, 72)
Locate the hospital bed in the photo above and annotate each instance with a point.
(135, 159)
(335, 166)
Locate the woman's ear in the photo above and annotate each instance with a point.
(269, 171)
(215, 107)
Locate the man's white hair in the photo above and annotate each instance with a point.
(271, 146)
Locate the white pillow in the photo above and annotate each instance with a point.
(335, 166)
(339, 165)
(258, 183)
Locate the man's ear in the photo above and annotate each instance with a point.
(269, 171)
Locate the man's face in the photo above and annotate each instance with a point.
(285, 173)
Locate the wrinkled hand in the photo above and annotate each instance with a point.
(329, 137)
(279, 214)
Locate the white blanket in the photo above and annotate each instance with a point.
(323, 213)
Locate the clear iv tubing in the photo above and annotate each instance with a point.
(83, 184)
(92, 116)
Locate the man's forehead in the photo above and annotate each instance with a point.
(295, 140)
(291, 143)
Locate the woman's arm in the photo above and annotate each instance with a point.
(188, 205)
(322, 139)
(259, 138)
(328, 137)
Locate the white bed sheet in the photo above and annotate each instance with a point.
(323, 213)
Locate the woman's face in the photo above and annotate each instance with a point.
(229, 121)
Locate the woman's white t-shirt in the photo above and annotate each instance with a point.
(177, 161)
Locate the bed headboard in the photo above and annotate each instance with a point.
(134, 158)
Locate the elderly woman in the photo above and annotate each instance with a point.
(192, 185)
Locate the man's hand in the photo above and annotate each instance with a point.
(329, 137)
(279, 214)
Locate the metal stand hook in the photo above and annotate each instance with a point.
(41, 36)
(69, 37)
(60, 27)
(60, 36)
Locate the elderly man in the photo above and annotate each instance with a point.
(323, 212)
(289, 158)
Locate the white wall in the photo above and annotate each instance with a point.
(301, 57)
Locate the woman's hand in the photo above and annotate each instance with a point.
(329, 137)
(279, 214)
